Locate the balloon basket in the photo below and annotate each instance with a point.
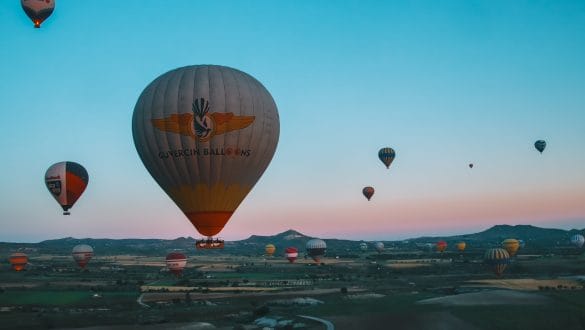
(209, 243)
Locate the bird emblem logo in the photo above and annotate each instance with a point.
(202, 124)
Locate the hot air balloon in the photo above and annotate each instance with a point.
(18, 261)
(368, 192)
(82, 254)
(511, 245)
(461, 246)
(363, 246)
(497, 259)
(316, 249)
(206, 134)
(578, 240)
(270, 249)
(291, 253)
(379, 246)
(470, 165)
(441, 246)
(38, 10)
(386, 155)
(540, 145)
(176, 262)
(66, 181)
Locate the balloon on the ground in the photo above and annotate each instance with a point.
(511, 245)
(379, 246)
(578, 240)
(176, 262)
(386, 155)
(82, 254)
(368, 192)
(316, 249)
(18, 261)
(206, 134)
(291, 254)
(497, 259)
(441, 246)
(270, 249)
(38, 10)
(66, 181)
(540, 145)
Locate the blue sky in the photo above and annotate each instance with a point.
(444, 83)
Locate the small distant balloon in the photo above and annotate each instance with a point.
(38, 10)
(578, 240)
(291, 254)
(379, 247)
(363, 246)
(497, 259)
(66, 181)
(511, 245)
(316, 249)
(368, 192)
(176, 262)
(461, 246)
(82, 254)
(441, 246)
(270, 249)
(540, 145)
(386, 155)
(18, 261)
(470, 165)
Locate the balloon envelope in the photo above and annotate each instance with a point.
(66, 181)
(497, 259)
(461, 246)
(206, 134)
(316, 248)
(38, 10)
(578, 240)
(511, 245)
(270, 249)
(18, 261)
(540, 145)
(82, 254)
(379, 247)
(441, 246)
(363, 246)
(291, 254)
(368, 192)
(386, 155)
(176, 262)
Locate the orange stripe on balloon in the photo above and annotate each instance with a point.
(209, 223)
(75, 187)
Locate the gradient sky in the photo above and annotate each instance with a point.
(444, 83)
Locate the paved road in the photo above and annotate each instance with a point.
(139, 301)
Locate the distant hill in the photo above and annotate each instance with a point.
(535, 237)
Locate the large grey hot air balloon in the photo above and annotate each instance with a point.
(206, 133)
(316, 249)
(540, 145)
